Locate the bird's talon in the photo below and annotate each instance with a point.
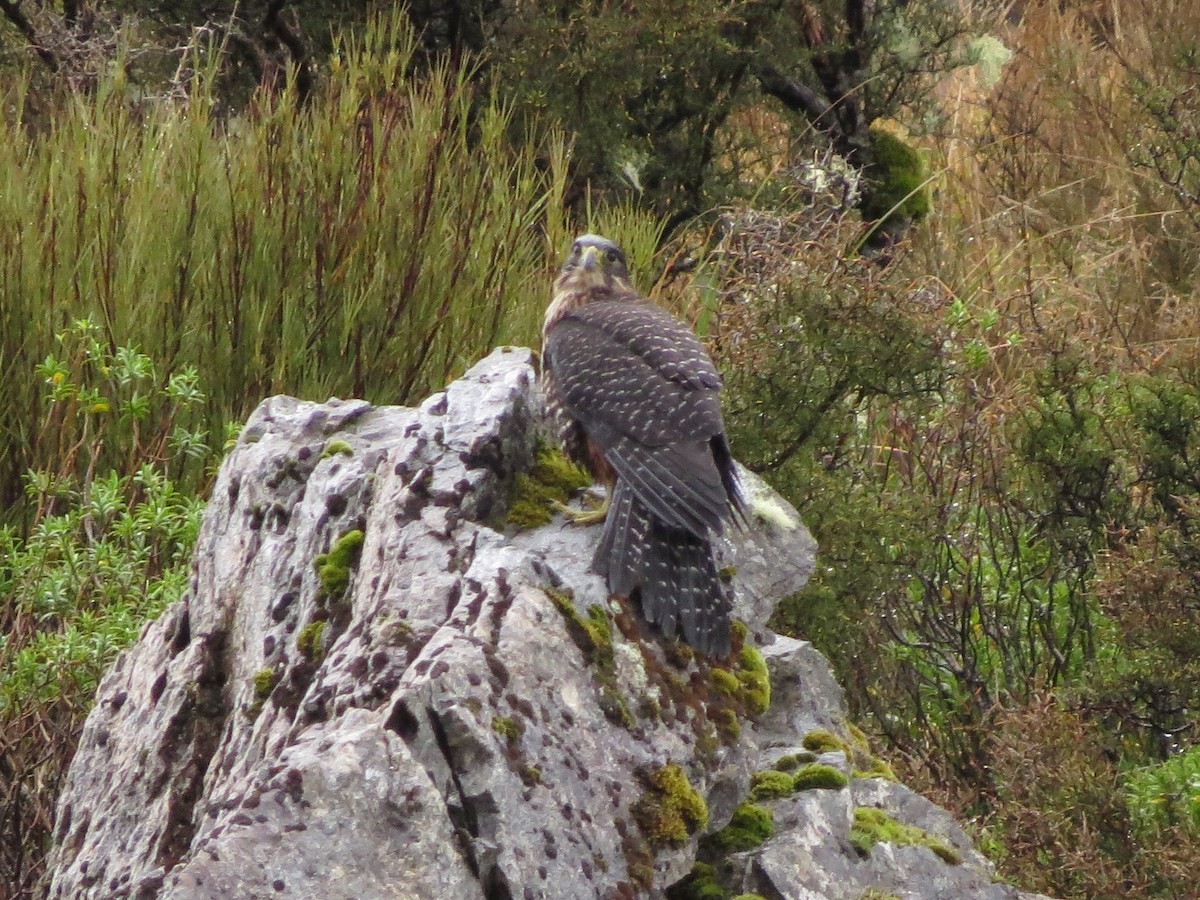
(583, 516)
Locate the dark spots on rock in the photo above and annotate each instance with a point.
(568, 720)
(293, 784)
(294, 826)
(422, 667)
(498, 669)
(256, 515)
(440, 668)
(474, 679)
(304, 453)
(528, 894)
(521, 705)
(278, 886)
(268, 645)
(402, 722)
(240, 819)
(102, 737)
(542, 872)
(157, 688)
(279, 517)
(118, 700)
(235, 488)
(357, 667)
(336, 504)
(251, 800)
(279, 609)
(588, 871)
(182, 636)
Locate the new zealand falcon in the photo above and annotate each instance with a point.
(636, 395)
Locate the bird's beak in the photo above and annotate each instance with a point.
(588, 260)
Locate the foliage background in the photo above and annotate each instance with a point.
(988, 418)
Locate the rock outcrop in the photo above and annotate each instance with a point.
(376, 687)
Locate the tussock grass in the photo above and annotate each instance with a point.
(374, 243)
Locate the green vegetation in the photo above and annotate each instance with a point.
(990, 428)
(265, 680)
(106, 548)
(508, 728)
(336, 447)
(552, 479)
(309, 640)
(821, 741)
(750, 826)
(670, 810)
(594, 636)
(819, 776)
(771, 784)
(334, 568)
(873, 826)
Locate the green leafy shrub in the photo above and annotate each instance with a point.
(107, 550)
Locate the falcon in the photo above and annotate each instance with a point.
(636, 397)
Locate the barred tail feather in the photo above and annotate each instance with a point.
(672, 570)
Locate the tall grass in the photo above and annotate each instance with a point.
(373, 244)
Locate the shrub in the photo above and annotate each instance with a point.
(108, 548)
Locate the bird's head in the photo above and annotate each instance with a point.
(595, 261)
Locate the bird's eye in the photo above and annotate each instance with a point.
(612, 255)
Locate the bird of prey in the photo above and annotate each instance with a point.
(636, 396)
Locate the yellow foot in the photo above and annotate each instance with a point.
(584, 516)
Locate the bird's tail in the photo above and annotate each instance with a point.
(673, 570)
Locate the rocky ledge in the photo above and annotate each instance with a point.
(383, 682)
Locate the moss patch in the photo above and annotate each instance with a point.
(700, 884)
(897, 176)
(874, 826)
(508, 728)
(670, 810)
(336, 447)
(821, 741)
(817, 776)
(265, 680)
(751, 672)
(750, 826)
(593, 634)
(793, 761)
(553, 478)
(333, 568)
(308, 641)
(771, 784)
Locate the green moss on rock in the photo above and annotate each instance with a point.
(793, 761)
(670, 810)
(265, 680)
(552, 479)
(593, 633)
(770, 784)
(333, 568)
(699, 884)
(751, 671)
(336, 447)
(821, 741)
(308, 641)
(508, 728)
(874, 826)
(818, 776)
(750, 826)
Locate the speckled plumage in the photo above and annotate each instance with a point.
(638, 399)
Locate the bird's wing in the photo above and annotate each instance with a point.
(645, 392)
(636, 369)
